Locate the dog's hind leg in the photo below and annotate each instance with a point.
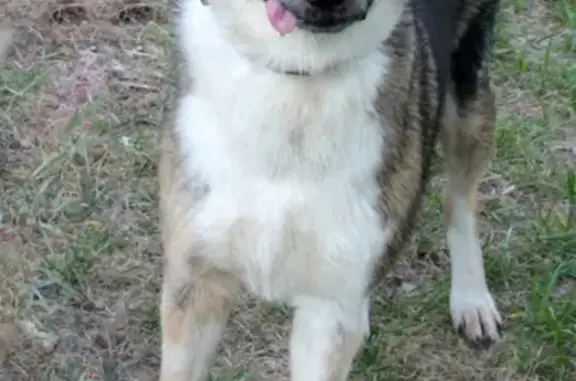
(325, 338)
(467, 140)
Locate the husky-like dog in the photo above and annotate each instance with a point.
(296, 157)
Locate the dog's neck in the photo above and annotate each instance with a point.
(290, 72)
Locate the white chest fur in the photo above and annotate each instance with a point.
(290, 163)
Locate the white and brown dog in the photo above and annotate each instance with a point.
(296, 157)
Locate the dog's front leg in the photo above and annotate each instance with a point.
(326, 336)
(194, 310)
(467, 140)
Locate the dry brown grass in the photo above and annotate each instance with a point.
(81, 99)
(5, 40)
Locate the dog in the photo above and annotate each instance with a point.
(295, 158)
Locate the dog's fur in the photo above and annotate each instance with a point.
(292, 187)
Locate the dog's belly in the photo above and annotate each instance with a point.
(284, 241)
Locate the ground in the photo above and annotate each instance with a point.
(82, 93)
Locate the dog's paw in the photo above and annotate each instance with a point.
(475, 316)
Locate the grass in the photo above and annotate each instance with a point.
(81, 97)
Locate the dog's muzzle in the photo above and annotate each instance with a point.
(331, 16)
(325, 16)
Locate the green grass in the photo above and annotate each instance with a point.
(79, 236)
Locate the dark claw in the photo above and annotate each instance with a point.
(474, 344)
(481, 342)
(484, 342)
(461, 329)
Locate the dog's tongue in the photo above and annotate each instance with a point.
(281, 19)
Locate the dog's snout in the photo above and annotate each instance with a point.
(328, 16)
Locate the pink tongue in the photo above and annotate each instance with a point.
(281, 19)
